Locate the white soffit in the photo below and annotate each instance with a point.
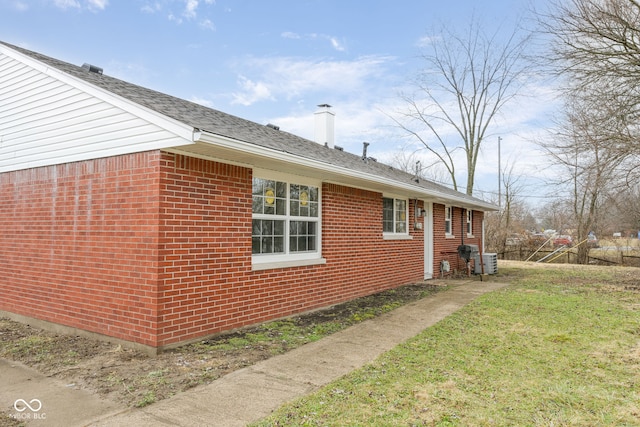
(229, 150)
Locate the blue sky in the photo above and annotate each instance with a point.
(274, 61)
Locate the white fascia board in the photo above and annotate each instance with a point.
(327, 169)
(178, 128)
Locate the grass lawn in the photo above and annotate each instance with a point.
(560, 347)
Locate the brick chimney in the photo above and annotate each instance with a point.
(325, 125)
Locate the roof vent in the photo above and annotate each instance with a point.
(92, 68)
(272, 126)
(364, 153)
(364, 150)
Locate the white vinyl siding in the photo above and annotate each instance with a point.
(44, 121)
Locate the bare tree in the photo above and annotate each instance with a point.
(591, 163)
(596, 47)
(513, 189)
(467, 79)
(596, 50)
(556, 214)
(623, 210)
(412, 162)
(508, 226)
(596, 42)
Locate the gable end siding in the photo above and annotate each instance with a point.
(44, 121)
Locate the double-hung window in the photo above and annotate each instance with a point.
(469, 222)
(394, 216)
(286, 220)
(448, 215)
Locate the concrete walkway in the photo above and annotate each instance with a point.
(252, 393)
(51, 402)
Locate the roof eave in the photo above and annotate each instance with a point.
(252, 155)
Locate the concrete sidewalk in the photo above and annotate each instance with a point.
(251, 393)
(38, 400)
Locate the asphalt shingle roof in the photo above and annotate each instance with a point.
(220, 123)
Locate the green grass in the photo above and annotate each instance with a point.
(34, 347)
(557, 348)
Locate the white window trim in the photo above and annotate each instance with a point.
(448, 234)
(392, 235)
(287, 264)
(269, 261)
(396, 236)
(469, 223)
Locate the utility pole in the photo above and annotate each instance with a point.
(499, 176)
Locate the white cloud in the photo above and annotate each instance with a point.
(20, 6)
(207, 25)
(427, 41)
(98, 4)
(357, 120)
(288, 78)
(202, 101)
(66, 4)
(252, 92)
(335, 42)
(151, 8)
(92, 5)
(290, 35)
(355, 89)
(172, 17)
(190, 10)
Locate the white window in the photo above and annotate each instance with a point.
(448, 214)
(286, 220)
(394, 215)
(469, 222)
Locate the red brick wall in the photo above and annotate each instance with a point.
(207, 281)
(446, 247)
(205, 248)
(359, 258)
(155, 248)
(78, 245)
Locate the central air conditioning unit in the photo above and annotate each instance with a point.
(490, 262)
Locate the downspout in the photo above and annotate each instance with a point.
(462, 224)
(196, 135)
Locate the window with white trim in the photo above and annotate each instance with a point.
(394, 215)
(448, 215)
(469, 222)
(286, 220)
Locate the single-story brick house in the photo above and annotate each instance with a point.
(149, 219)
